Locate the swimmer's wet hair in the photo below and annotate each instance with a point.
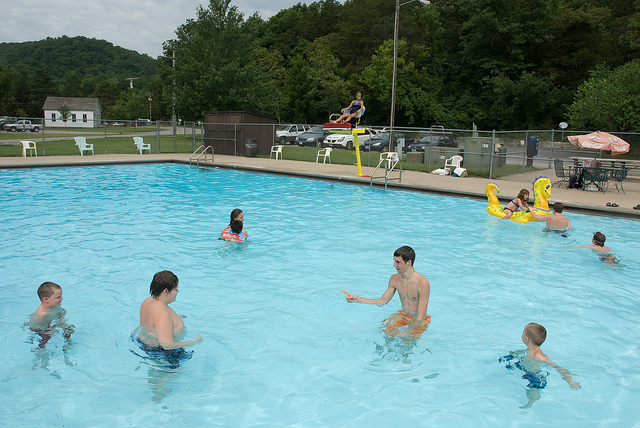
(236, 226)
(558, 207)
(46, 289)
(599, 238)
(161, 281)
(406, 253)
(536, 332)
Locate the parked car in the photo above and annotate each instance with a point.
(5, 120)
(432, 141)
(314, 137)
(380, 141)
(286, 134)
(22, 126)
(346, 140)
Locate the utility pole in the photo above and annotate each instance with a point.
(173, 106)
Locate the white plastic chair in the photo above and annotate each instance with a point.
(277, 150)
(454, 164)
(139, 142)
(28, 145)
(81, 142)
(325, 153)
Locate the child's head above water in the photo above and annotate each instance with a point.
(598, 239)
(535, 332)
(48, 289)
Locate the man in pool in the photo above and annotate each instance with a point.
(160, 325)
(50, 315)
(555, 222)
(413, 289)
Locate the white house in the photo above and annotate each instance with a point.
(83, 112)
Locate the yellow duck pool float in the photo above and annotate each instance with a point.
(541, 193)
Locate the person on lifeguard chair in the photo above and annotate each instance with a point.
(353, 110)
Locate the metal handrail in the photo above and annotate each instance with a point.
(388, 169)
(202, 150)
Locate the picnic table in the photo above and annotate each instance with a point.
(600, 171)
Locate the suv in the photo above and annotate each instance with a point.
(286, 134)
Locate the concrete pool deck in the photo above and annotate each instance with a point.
(578, 200)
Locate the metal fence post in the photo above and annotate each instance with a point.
(157, 136)
(493, 145)
(105, 138)
(551, 148)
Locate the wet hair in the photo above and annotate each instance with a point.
(522, 194)
(406, 253)
(536, 333)
(163, 280)
(599, 239)
(46, 289)
(236, 226)
(558, 207)
(234, 214)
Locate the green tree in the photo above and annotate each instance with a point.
(73, 87)
(609, 100)
(214, 68)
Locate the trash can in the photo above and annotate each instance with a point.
(415, 157)
(250, 148)
(532, 149)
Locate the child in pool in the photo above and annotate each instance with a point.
(49, 315)
(235, 231)
(534, 336)
(517, 204)
(597, 246)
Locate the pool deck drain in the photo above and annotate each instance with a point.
(592, 202)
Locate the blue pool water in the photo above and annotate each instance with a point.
(281, 346)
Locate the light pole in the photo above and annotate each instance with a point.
(150, 99)
(395, 66)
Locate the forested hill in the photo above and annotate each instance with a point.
(58, 57)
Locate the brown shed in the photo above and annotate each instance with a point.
(238, 132)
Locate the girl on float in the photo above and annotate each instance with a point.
(235, 231)
(517, 204)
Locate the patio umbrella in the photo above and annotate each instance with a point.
(600, 141)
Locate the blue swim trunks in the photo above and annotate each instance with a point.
(157, 353)
(536, 380)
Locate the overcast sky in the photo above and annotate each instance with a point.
(141, 26)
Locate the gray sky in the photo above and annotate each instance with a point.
(140, 26)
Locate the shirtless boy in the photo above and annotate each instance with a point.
(49, 314)
(597, 246)
(161, 324)
(413, 290)
(556, 222)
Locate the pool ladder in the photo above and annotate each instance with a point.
(202, 150)
(390, 160)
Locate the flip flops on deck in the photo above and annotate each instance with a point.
(609, 204)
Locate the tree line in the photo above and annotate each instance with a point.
(500, 64)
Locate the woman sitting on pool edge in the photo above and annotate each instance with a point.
(235, 231)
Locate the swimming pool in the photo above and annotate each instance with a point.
(281, 346)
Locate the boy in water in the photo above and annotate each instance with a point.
(597, 246)
(534, 336)
(413, 290)
(49, 314)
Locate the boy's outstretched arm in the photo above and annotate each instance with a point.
(565, 375)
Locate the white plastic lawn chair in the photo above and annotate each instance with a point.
(28, 145)
(325, 154)
(277, 150)
(81, 142)
(454, 163)
(139, 142)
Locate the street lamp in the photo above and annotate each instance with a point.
(395, 66)
(150, 99)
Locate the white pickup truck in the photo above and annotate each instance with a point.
(22, 126)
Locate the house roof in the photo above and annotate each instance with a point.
(87, 104)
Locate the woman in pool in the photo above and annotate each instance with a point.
(235, 231)
(519, 203)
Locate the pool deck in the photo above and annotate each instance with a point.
(577, 200)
